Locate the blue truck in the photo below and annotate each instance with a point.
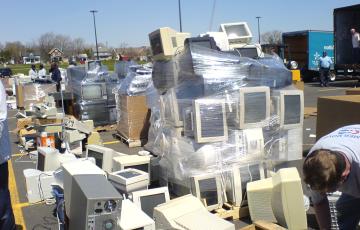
(306, 47)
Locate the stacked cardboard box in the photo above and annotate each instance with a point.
(133, 123)
(354, 91)
(336, 111)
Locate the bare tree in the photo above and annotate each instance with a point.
(15, 49)
(272, 37)
(78, 45)
(46, 42)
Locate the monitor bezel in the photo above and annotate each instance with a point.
(83, 86)
(241, 107)
(283, 94)
(196, 189)
(107, 153)
(241, 39)
(121, 162)
(197, 127)
(136, 196)
(126, 181)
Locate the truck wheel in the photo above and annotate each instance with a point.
(332, 76)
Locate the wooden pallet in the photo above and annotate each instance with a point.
(105, 128)
(130, 143)
(229, 211)
(263, 225)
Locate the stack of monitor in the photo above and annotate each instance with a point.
(103, 156)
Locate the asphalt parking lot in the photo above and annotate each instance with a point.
(40, 216)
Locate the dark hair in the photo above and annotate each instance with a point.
(323, 169)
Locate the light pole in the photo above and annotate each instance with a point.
(96, 43)
(258, 21)
(179, 1)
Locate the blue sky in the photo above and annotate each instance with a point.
(130, 21)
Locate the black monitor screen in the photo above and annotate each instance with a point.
(128, 174)
(148, 203)
(98, 157)
(255, 107)
(212, 120)
(292, 111)
(156, 45)
(41, 162)
(142, 167)
(248, 52)
(208, 191)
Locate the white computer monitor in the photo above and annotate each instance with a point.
(166, 42)
(210, 120)
(237, 32)
(188, 122)
(253, 107)
(237, 178)
(48, 159)
(207, 188)
(132, 161)
(147, 200)
(77, 167)
(278, 199)
(103, 156)
(93, 91)
(132, 217)
(187, 212)
(289, 105)
(129, 180)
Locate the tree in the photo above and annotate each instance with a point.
(273, 37)
(15, 49)
(78, 45)
(45, 43)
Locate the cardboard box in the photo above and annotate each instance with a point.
(134, 118)
(354, 91)
(23, 122)
(336, 111)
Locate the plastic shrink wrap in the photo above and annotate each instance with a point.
(216, 113)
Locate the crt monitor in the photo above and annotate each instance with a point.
(48, 159)
(290, 108)
(132, 217)
(250, 52)
(103, 156)
(237, 32)
(92, 91)
(207, 42)
(132, 161)
(210, 120)
(207, 187)
(147, 200)
(253, 107)
(278, 199)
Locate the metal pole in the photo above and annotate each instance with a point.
(258, 19)
(179, 1)
(97, 49)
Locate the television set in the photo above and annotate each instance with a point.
(207, 188)
(253, 107)
(236, 179)
(278, 199)
(48, 159)
(93, 91)
(132, 161)
(132, 217)
(237, 32)
(210, 120)
(166, 42)
(207, 42)
(147, 200)
(129, 180)
(103, 156)
(187, 212)
(77, 167)
(290, 108)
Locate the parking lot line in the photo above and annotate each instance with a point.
(19, 217)
(110, 142)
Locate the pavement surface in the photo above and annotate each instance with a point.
(40, 216)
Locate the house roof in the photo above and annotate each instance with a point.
(55, 50)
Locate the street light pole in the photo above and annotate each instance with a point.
(96, 43)
(258, 21)
(179, 1)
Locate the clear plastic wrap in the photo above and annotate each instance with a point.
(216, 112)
(28, 94)
(122, 68)
(137, 81)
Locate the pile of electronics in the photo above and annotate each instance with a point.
(92, 86)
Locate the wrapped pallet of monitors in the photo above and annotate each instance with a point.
(93, 92)
(220, 120)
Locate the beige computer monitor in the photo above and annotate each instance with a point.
(278, 199)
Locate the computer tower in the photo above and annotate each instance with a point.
(96, 204)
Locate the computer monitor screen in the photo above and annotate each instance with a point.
(248, 52)
(278, 199)
(155, 43)
(292, 114)
(98, 157)
(142, 167)
(207, 42)
(91, 92)
(237, 32)
(129, 174)
(254, 113)
(148, 203)
(208, 191)
(40, 162)
(210, 120)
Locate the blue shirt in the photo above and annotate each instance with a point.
(347, 141)
(325, 62)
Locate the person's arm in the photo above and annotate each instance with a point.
(322, 212)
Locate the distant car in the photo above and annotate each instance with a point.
(5, 72)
